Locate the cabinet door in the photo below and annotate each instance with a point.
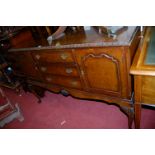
(23, 64)
(103, 70)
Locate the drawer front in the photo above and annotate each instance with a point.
(57, 69)
(63, 81)
(53, 56)
(148, 90)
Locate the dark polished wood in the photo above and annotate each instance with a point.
(84, 64)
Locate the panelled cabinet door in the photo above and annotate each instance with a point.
(22, 63)
(102, 70)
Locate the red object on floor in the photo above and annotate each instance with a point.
(57, 111)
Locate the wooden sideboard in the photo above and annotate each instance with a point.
(143, 69)
(85, 64)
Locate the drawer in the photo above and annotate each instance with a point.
(53, 56)
(148, 90)
(63, 81)
(58, 69)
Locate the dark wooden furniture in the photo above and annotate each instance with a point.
(82, 63)
(143, 69)
(7, 78)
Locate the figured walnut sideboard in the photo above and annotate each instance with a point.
(98, 70)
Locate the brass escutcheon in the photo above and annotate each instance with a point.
(49, 79)
(74, 83)
(64, 56)
(37, 56)
(69, 70)
(43, 69)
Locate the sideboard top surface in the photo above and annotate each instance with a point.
(82, 39)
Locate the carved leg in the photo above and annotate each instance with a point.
(130, 117)
(18, 91)
(37, 95)
(37, 91)
(137, 108)
(129, 111)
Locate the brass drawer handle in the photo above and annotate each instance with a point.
(43, 69)
(69, 70)
(37, 56)
(74, 83)
(48, 79)
(64, 56)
